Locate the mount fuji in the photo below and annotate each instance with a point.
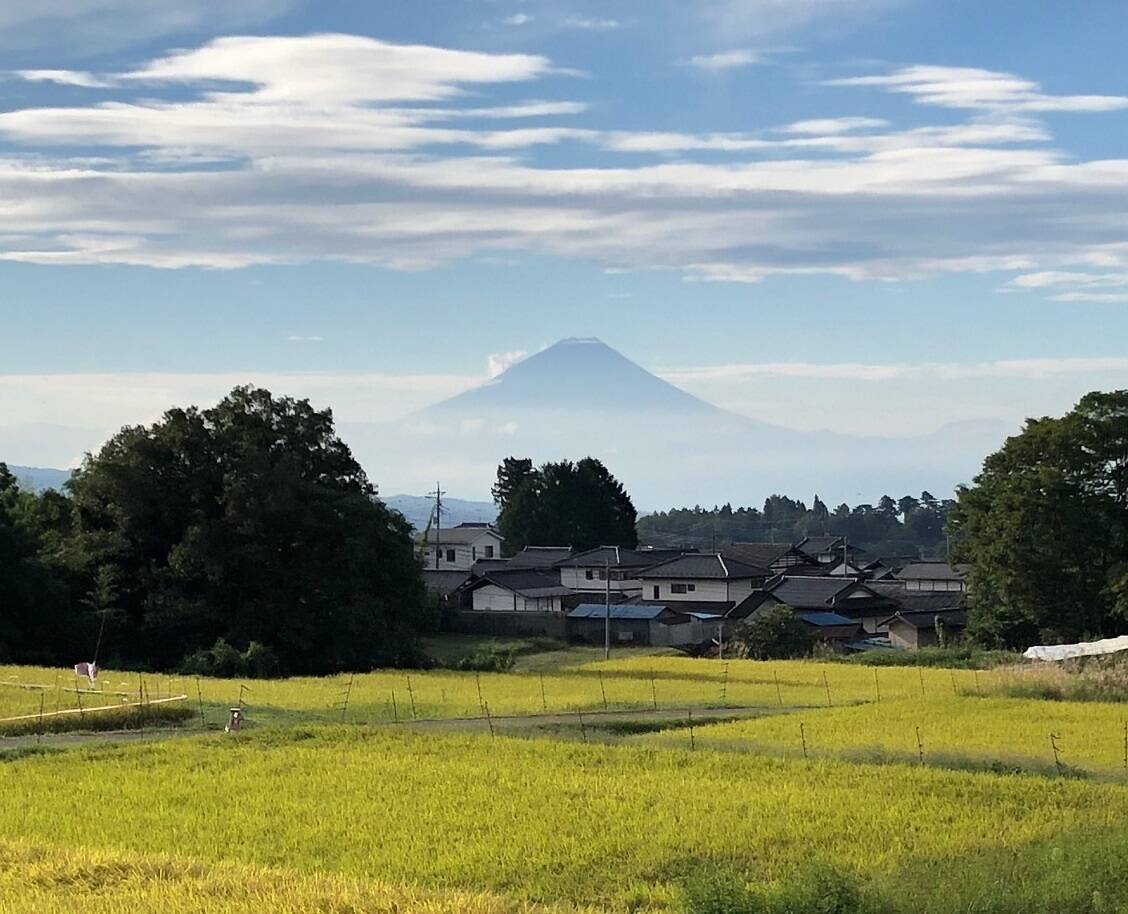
(580, 397)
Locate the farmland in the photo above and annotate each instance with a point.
(966, 731)
(325, 807)
(575, 684)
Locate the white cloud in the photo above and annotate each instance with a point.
(497, 362)
(986, 90)
(517, 19)
(725, 60)
(592, 24)
(1031, 369)
(64, 78)
(299, 338)
(334, 147)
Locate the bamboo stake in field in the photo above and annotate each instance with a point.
(200, 702)
(583, 729)
(39, 733)
(724, 687)
(489, 719)
(653, 689)
(803, 738)
(411, 693)
(920, 746)
(602, 690)
(876, 685)
(920, 670)
(1126, 745)
(826, 685)
(955, 691)
(395, 707)
(692, 741)
(478, 682)
(779, 693)
(544, 698)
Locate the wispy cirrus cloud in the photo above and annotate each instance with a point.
(978, 89)
(725, 60)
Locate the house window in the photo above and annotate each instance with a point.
(603, 574)
(589, 574)
(450, 555)
(489, 552)
(657, 592)
(683, 588)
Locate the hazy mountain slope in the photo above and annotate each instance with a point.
(39, 478)
(417, 510)
(581, 397)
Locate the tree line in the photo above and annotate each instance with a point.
(245, 534)
(907, 526)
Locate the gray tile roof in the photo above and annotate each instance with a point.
(615, 556)
(705, 566)
(932, 571)
(824, 619)
(444, 583)
(842, 594)
(461, 535)
(762, 554)
(528, 582)
(816, 545)
(539, 556)
(640, 611)
(918, 600)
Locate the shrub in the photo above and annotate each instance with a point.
(720, 892)
(774, 634)
(224, 661)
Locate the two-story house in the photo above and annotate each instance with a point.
(458, 548)
(702, 578)
(590, 571)
(934, 576)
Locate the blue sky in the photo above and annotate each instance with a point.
(855, 214)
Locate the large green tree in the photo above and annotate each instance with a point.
(1045, 529)
(568, 504)
(250, 522)
(39, 622)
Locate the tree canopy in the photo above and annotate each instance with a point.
(909, 526)
(248, 523)
(565, 504)
(1045, 529)
(774, 633)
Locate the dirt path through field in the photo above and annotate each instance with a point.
(570, 719)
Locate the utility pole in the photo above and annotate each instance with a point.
(438, 496)
(607, 610)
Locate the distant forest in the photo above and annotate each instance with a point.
(906, 526)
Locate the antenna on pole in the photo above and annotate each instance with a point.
(437, 495)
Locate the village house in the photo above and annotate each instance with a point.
(910, 630)
(934, 576)
(458, 548)
(705, 578)
(641, 624)
(779, 558)
(844, 596)
(589, 571)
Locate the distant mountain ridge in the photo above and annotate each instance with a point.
(417, 509)
(39, 479)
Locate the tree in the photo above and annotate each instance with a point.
(568, 504)
(1045, 528)
(775, 633)
(249, 522)
(512, 472)
(37, 623)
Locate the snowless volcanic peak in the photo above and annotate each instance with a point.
(576, 374)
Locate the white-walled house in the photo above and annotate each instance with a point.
(933, 576)
(588, 572)
(701, 578)
(519, 591)
(458, 548)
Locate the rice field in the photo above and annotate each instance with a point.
(636, 682)
(537, 821)
(1004, 733)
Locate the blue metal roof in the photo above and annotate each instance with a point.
(618, 611)
(821, 618)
